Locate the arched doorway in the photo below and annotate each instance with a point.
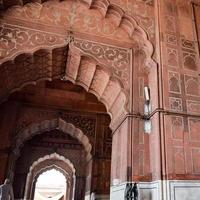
(47, 188)
(52, 135)
(56, 162)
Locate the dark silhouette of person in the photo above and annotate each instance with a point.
(135, 191)
(6, 191)
(128, 191)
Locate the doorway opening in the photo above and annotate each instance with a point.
(50, 185)
(75, 125)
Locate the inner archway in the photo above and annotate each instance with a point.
(48, 128)
(51, 185)
(69, 150)
(49, 162)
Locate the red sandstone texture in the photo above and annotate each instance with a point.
(83, 65)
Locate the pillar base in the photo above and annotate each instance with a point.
(87, 196)
(183, 190)
(161, 190)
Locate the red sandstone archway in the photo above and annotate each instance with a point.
(39, 128)
(46, 169)
(27, 46)
(50, 162)
(48, 125)
(67, 63)
(29, 55)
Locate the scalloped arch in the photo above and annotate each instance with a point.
(108, 11)
(79, 69)
(114, 94)
(48, 125)
(53, 156)
(34, 175)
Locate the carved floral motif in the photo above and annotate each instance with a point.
(14, 40)
(29, 116)
(115, 58)
(69, 14)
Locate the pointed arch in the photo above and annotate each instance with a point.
(39, 128)
(48, 125)
(67, 63)
(44, 164)
(53, 156)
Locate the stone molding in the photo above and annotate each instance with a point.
(107, 10)
(53, 156)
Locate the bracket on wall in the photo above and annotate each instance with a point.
(69, 40)
(70, 37)
(147, 111)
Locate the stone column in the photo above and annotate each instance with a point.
(121, 168)
(7, 129)
(88, 179)
(136, 154)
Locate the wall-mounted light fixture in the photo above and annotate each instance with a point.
(147, 110)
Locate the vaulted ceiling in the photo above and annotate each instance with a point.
(60, 95)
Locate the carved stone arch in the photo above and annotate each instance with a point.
(53, 156)
(69, 63)
(42, 165)
(39, 128)
(110, 13)
(113, 91)
(52, 166)
(48, 125)
(90, 54)
(49, 167)
(43, 170)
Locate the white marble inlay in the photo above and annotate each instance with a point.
(161, 190)
(184, 190)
